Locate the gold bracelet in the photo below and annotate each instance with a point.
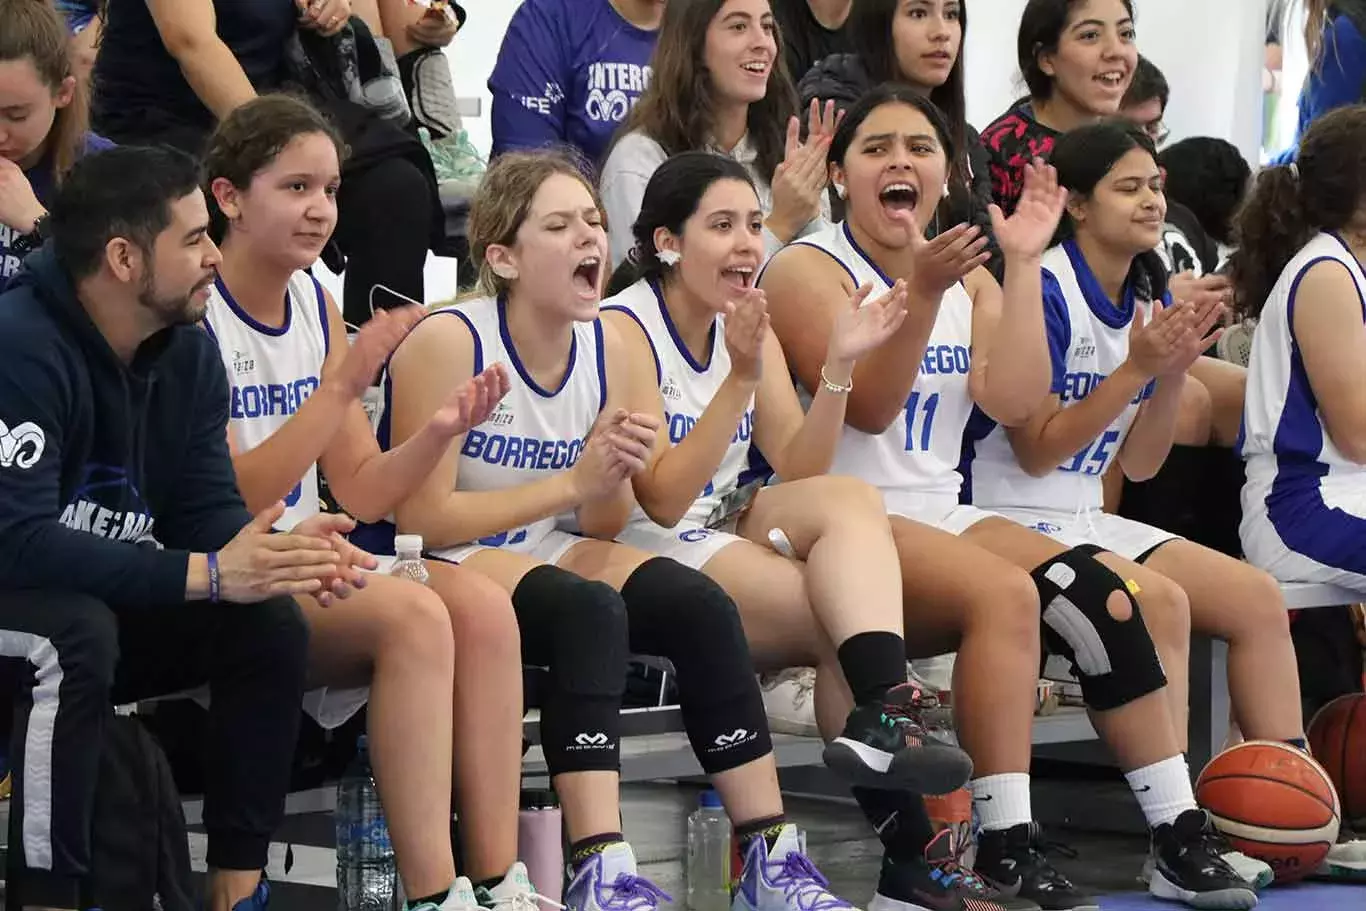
(833, 387)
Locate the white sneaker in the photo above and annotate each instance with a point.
(515, 893)
(788, 701)
(459, 898)
(783, 879)
(609, 882)
(1346, 860)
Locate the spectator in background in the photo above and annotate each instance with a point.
(721, 84)
(1208, 177)
(921, 44)
(97, 336)
(1077, 58)
(168, 70)
(569, 72)
(1145, 103)
(45, 133)
(812, 31)
(1335, 37)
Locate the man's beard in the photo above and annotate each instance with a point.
(177, 310)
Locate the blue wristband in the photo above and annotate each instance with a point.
(214, 589)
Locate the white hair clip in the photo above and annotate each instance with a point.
(668, 257)
(1294, 171)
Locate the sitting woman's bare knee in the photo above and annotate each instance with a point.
(479, 610)
(1166, 611)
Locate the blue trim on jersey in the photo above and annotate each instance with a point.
(602, 364)
(678, 341)
(1294, 505)
(978, 428)
(849, 236)
(246, 318)
(517, 361)
(322, 316)
(1096, 298)
(654, 353)
(1057, 326)
(842, 264)
(756, 468)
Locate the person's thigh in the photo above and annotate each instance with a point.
(950, 582)
(770, 592)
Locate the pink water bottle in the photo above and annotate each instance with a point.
(540, 842)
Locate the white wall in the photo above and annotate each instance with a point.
(1211, 52)
(472, 55)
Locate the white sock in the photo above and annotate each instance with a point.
(1001, 801)
(1163, 790)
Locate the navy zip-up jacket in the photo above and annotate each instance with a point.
(100, 461)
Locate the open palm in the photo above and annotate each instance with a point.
(866, 324)
(1030, 229)
(471, 403)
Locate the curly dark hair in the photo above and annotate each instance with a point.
(1286, 209)
(249, 138)
(1209, 176)
(676, 110)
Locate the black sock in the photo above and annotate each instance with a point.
(900, 820)
(436, 899)
(1298, 743)
(768, 828)
(873, 663)
(490, 883)
(581, 851)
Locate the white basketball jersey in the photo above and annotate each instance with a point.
(272, 371)
(1088, 339)
(919, 452)
(688, 388)
(1283, 439)
(534, 433)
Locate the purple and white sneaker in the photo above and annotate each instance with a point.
(608, 882)
(783, 878)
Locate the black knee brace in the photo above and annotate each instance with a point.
(1114, 659)
(681, 614)
(577, 630)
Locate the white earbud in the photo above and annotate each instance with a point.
(668, 257)
(839, 190)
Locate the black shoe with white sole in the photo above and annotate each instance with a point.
(884, 746)
(1189, 866)
(1014, 860)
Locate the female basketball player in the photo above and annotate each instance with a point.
(1303, 236)
(962, 346)
(522, 500)
(720, 82)
(272, 168)
(703, 362)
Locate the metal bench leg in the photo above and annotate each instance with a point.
(1209, 701)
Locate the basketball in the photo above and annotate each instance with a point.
(1273, 803)
(1337, 736)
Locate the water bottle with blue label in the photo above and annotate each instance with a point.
(367, 874)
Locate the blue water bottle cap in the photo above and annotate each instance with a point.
(709, 800)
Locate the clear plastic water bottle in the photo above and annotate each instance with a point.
(409, 565)
(709, 855)
(367, 874)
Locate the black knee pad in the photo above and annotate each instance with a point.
(577, 629)
(1114, 659)
(680, 614)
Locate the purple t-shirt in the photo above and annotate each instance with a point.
(44, 184)
(569, 72)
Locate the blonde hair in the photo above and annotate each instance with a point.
(34, 30)
(504, 199)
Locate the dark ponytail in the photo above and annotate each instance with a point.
(671, 197)
(1288, 205)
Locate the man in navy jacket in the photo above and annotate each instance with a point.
(129, 566)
